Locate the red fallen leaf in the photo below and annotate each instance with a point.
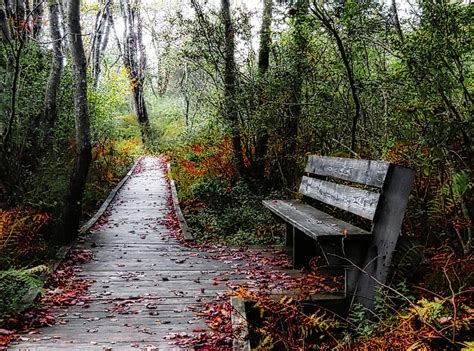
(6, 339)
(5, 332)
(101, 221)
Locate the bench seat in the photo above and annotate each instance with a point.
(311, 221)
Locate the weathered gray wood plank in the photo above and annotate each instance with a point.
(188, 236)
(358, 201)
(385, 234)
(311, 221)
(240, 323)
(116, 333)
(156, 344)
(108, 200)
(359, 171)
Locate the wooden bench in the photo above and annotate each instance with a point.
(378, 192)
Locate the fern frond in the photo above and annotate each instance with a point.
(14, 284)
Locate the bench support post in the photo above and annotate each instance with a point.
(289, 235)
(387, 223)
(303, 249)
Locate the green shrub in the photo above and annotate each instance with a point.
(229, 212)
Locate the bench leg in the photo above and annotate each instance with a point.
(344, 252)
(303, 249)
(352, 275)
(289, 235)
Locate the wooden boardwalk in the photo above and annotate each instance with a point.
(147, 285)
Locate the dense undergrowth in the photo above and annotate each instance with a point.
(402, 322)
(218, 206)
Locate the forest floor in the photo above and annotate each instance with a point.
(145, 287)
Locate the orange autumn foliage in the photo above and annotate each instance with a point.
(19, 230)
(108, 159)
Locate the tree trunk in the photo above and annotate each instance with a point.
(37, 17)
(396, 21)
(4, 27)
(135, 66)
(116, 37)
(16, 61)
(261, 144)
(319, 12)
(142, 64)
(20, 26)
(73, 202)
(265, 37)
(50, 103)
(100, 41)
(230, 85)
(62, 11)
(294, 108)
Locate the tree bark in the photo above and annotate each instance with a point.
(100, 40)
(261, 144)
(320, 14)
(14, 90)
(62, 11)
(73, 202)
(136, 66)
(293, 114)
(50, 103)
(265, 37)
(116, 37)
(230, 85)
(4, 27)
(18, 12)
(37, 17)
(142, 65)
(396, 21)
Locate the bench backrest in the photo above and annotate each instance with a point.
(361, 202)
(384, 207)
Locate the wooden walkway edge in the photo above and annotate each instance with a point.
(32, 295)
(100, 212)
(187, 235)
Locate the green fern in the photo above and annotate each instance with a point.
(460, 184)
(451, 194)
(14, 284)
(463, 183)
(362, 326)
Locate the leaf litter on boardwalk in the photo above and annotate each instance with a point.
(265, 274)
